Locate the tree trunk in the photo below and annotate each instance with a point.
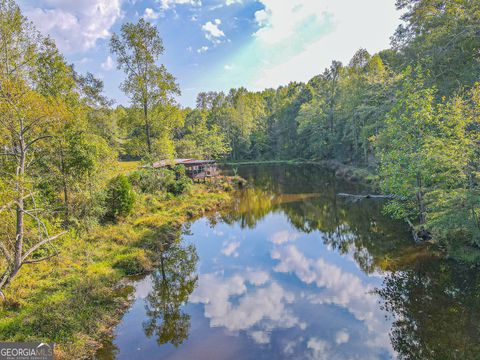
(420, 202)
(147, 127)
(19, 231)
(64, 183)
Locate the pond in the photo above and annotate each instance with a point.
(292, 271)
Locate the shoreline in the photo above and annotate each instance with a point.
(77, 299)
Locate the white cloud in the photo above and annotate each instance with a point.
(342, 337)
(212, 31)
(281, 237)
(168, 4)
(143, 288)
(76, 25)
(256, 278)
(256, 310)
(108, 64)
(230, 248)
(218, 232)
(338, 288)
(232, 2)
(228, 67)
(290, 346)
(151, 14)
(202, 49)
(279, 20)
(260, 337)
(319, 348)
(317, 31)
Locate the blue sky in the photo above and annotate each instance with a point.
(220, 44)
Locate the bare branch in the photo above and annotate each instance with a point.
(6, 206)
(5, 252)
(41, 259)
(35, 140)
(40, 244)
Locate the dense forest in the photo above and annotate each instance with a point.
(409, 114)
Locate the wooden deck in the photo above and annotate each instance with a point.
(202, 175)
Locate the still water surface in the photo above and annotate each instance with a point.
(292, 271)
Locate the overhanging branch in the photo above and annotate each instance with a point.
(40, 244)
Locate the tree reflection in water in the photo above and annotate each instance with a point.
(436, 311)
(434, 303)
(172, 285)
(307, 195)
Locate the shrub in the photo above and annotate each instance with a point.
(133, 264)
(150, 181)
(180, 186)
(120, 198)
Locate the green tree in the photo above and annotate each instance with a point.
(443, 37)
(173, 284)
(120, 198)
(150, 86)
(401, 149)
(29, 113)
(200, 140)
(426, 154)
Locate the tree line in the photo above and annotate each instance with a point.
(409, 113)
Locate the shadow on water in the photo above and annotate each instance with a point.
(194, 305)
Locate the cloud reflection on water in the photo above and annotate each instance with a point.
(339, 288)
(250, 302)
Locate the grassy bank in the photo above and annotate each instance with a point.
(77, 297)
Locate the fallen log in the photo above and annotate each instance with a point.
(368, 196)
(420, 235)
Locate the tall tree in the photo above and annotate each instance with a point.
(149, 85)
(29, 112)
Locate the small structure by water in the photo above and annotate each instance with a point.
(194, 168)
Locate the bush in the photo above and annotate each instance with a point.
(120, 198)
(133, 264)
(151, 181)
(179, 186)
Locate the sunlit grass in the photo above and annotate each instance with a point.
(73, 299)
(124, 167)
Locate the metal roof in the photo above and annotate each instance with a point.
(192, 162)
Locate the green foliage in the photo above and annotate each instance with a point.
(428, 153)
(120, 198)
(179, 186)
(133, 263)
(443, 37)
(150, 86)
(200, 140)
(152, 181)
